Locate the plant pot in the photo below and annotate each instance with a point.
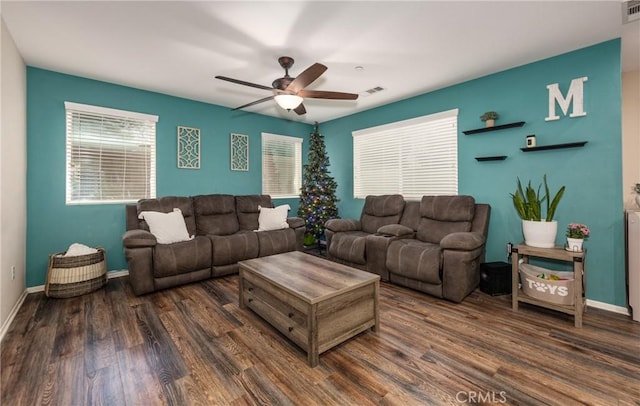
(490, 123)
(541, 234)
(638, 200)
(574, 244)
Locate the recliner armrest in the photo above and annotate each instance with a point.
(295, 222)
(338, 225)
(466, 241)
(397, 230)
(138, 239)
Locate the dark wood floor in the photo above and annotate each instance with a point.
(193, 345)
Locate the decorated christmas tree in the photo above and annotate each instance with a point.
(318, 193)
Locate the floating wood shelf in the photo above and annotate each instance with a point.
(494, 128)
(555, 146)
(491, 158)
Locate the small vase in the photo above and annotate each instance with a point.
(574, 244)
(490, 123)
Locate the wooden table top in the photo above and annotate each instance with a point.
(308, 277)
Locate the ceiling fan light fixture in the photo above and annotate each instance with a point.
(288, 101)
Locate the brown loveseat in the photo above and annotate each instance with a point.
(224, 233)
(434, 245)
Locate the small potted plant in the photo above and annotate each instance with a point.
(489, 118)
(576, 234)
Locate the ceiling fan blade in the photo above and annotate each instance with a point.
(242, 82)
(307, 77)
(300, 110)
(323, 94)
(255, 102)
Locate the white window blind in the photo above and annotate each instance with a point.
(413, 157)
(111, 155)
(281, 165)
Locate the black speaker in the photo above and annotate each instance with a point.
(495, 278)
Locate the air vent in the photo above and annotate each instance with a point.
(630, 11)
(374, 90)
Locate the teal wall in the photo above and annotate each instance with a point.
(592, 174)
(52, 226)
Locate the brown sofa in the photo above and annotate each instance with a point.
(224, 233)
(434, 245)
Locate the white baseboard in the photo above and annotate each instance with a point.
(608, 307)
(12, 315)
(40, 288)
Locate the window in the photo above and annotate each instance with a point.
(111, 155)
(281, 165)
(413, 157)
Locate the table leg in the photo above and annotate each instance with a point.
(241, 289)
(376, 314)
(312, 356)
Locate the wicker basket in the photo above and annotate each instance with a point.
(77, 275)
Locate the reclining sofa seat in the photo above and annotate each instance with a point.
(349, 241)
(154, 266)
(447, 233)
(444, 257)
(224, 233)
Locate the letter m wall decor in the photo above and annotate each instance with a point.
(574, 94)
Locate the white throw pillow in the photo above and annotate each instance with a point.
(273, 219)
(166, 227)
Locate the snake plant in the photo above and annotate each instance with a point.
(528, 202)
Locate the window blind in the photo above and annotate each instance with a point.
(281, 165)
(111, 155)
(413, 157)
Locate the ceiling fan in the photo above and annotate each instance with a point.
(289, 92)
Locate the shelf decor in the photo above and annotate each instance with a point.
(239, 152)
(531, 141)
(489, 118)
(188, 148)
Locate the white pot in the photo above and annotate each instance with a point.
(638, 200)
(541, 234)
(574, 244)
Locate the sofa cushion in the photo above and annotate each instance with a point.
(166, 227)
(248, 212)
(166, 205)
(379, 211)
(349, 246)
(181, 257)
(215, 214)
(276, 242)
(415, 259)
(443, 215)
(229, 249)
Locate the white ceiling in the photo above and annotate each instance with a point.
(407, 48)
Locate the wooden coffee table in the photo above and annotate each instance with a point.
(316, 303)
